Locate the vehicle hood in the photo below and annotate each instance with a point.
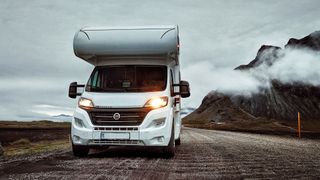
(120, 100)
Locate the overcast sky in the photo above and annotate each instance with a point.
(37, 61)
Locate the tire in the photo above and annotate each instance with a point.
(178, 141)
(80, 151)
(169, 150)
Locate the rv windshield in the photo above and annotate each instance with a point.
(128, 78)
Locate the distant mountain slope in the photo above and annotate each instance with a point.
(266, 54)
(311, 41)
(281, 101)
(62, 117)
(218, 108)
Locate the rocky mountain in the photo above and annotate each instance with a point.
(311, 41)
(219, 108)
(187, 110)
(266, 54)
(281, 101)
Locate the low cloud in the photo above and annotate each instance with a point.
(297, 65)
(51, 111)
(292, 66)
(34, 98)
(205, 78)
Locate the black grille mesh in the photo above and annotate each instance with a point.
(128, 117)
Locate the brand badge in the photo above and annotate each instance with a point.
(116, 116)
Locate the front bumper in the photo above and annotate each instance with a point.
(155, 130)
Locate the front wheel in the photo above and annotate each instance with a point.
(169, 150)
(178, 141)
(80, 151)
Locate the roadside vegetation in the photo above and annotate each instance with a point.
(33, 124)
(25, 138)
(25, 147)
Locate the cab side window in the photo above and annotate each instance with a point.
(93, 81)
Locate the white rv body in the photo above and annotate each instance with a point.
(119, 47)
(92, 43)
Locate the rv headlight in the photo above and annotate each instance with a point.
(157, 102)
(85, 103)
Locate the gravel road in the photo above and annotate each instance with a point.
(203, 154)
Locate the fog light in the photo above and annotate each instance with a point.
(159, 122)
(161, 139)
(79, 123)
(76, 138)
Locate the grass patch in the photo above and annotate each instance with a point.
(21, 142)
(33, 125)
(25, 147)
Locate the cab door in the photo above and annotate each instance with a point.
(174, 79)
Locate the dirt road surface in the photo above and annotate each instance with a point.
(203, 154)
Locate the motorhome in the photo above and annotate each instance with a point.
(133, 96)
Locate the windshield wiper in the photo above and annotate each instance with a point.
(133, 89)
(99, 89)
(113, 89)
(140, 89)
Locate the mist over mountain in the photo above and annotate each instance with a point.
(285, 81)
(62, 118)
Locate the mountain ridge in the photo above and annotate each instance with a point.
(282, 101)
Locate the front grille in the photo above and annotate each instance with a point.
(128, 117)
(116, 142)
(116, 128)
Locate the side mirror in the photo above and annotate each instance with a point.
(73, 90)
(182, 89)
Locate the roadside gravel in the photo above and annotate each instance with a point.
(203, 154)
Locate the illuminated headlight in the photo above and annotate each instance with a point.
(157, 102)
(85, 103)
